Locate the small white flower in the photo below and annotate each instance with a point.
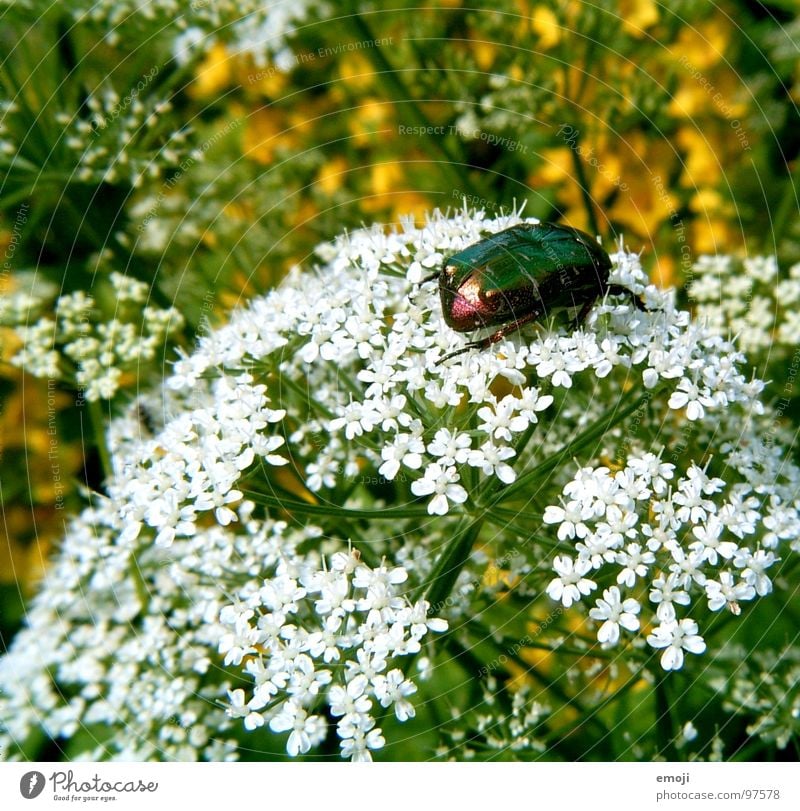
(613, 613)
(754, 566)
(635, 563)
(240, 708)
(351, 700)
(305, 730)
(675, 638)
(571, 517)
(443, 484)
(708, 544)
(490, 458)
(500, 422)
(665, 593)
(450, 447)
(394, 689)
(570, 585)
(689, 396)
(727, 592)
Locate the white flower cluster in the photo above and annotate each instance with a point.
(91, 353)
(131, 638)
(25, 298)
(115, 659)
(749, 299)
(387, 340)
(192, 467)
(677, 540)
(339, 651)
(335, 409)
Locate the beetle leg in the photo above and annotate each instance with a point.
(619, 290)
(431, 278)
(486, 342)
(581, 316)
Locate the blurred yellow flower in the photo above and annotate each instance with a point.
(332, 175)
(214, 74)
(356, 71)
(702, 45)
(701, 162)
(638, 15)
(483, 52)
(545, 25)
(370, 122)
(261, 135)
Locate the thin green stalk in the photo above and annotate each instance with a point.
(96, 419)
(789, 204)
(476, 627)
(142, 592)
(567, 729)
(287, 381)
(665, 733)
(551, 685)
(331, 510)
(438, 585)
(583, 183)
(524, 533)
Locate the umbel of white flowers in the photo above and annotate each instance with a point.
(262, 558)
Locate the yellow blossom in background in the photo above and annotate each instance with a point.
(332, 175)
(545, 25)
(638, 15)
(214, 74)
(702, 45)
(370, 122)
(483, 52)
(268, 81)
(711, 227)
(47, 475)
(261, 135)
(701, 165)
(355, 70)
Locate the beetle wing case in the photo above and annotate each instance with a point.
(526, 269)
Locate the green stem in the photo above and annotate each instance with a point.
(567, 729)
(524, 532)
(787, 206)
(583, 183)
(663, 722)
(142, 592)
(331, 510)
(305, 396)
(484, 631)
(98, 430)
(442, 578)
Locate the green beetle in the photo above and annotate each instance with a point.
(521, 275)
